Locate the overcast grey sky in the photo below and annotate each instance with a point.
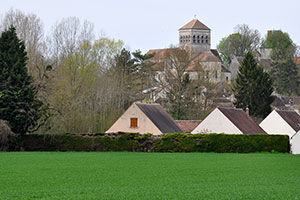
(154, 23)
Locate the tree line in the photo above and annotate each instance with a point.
(78, 83)
(70, 81)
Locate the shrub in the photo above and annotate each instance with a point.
(221, 143)
(172, 142)
(7, 137)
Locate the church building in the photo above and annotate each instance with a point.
(195, 37)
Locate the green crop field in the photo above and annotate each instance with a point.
(127, 175)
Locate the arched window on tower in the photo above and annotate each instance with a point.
(206, 39)
(198, 39)
(202, 39)
(194, 39)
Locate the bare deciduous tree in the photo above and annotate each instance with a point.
(67, 37)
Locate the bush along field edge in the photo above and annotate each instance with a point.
(170, 142)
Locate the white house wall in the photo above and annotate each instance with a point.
(275, 124)
(295, 143)
(145, 125)
(217, 122)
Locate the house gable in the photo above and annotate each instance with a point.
(144, 124)
(217, 122)
(274, 123)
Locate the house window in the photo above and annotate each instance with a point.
(207, 75)
(133, 122)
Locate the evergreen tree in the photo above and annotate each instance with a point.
(253, 88)
(18, 103)
(285, 76)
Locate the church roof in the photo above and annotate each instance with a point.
(207, 56)
(164, 53)
(160, 53)
(194, 24)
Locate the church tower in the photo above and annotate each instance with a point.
(195, 36)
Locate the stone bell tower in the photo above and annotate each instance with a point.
(195, 36)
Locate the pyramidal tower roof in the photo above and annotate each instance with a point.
(195, 24)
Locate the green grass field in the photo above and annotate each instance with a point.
(126, 175)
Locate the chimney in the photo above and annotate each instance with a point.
(247, 110)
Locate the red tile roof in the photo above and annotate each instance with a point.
(188, 125)
(194, 24)
(207, 56)
(297, 60)
(242, 121)
(159, 53)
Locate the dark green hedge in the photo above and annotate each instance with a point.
(173, 142)
(222, 143)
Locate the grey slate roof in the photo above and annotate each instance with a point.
(242, 121)
(163, 121)
(291, 117)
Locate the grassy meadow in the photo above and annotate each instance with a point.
(129, 175)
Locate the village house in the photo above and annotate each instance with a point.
(295, 143)
(145, 118)
(262, 57)
(281, 122)
(228, 121)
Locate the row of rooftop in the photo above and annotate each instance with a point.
(152, 118)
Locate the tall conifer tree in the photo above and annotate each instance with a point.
(18, 103)
(253, 88)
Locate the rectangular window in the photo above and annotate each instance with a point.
(133, 122)
(207, 75)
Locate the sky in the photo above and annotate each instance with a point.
(154, 24)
